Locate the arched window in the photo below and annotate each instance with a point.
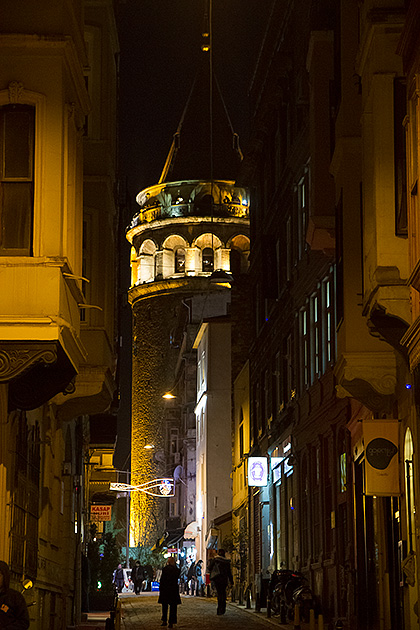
(180, 260)
(235, 262)
(208, 259)
(409, 491)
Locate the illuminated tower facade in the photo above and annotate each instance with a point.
(189, 237)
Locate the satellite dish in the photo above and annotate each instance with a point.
(178, 473)
(159, 456)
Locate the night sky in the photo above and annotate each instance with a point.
(160, 43)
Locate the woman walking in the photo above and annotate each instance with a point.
(169, 592)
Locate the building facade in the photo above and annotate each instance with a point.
(57, 109)
(333, 362)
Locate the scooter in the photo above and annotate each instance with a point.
(278, 581)
(292, 589)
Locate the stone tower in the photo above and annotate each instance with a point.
(189, 237)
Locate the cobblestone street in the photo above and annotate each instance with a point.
(195, 612)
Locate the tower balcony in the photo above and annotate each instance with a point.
(190, 198)
(188, 229)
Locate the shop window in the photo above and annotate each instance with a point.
(17, 126)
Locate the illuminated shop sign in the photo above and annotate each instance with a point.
(100, 512)
(257, 471)
(276, 468)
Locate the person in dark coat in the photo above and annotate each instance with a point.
(137, 577)
(169, 592)
(118, 578)
(13, 609)
(220, 575)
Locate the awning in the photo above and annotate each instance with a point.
(211, 540)
(191, 531)
(173, 537)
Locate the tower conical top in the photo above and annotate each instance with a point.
(205, 145)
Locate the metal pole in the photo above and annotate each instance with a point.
(127, 548)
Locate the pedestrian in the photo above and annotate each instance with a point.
(183, 578)
(13, 609)
(191, 577)
(169, 592)
(199, 578)
(137, 577)
(118, 578)
(220, 575)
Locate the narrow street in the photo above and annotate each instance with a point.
(195, 612)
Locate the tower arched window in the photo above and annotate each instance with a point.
(235, 262)
(180, 260)
(208, 259)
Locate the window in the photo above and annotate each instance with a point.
(173, 440)
(328, 320)
(208, 259)
(289, 249)
(302, 216)
(304, 335)
(315, 338)
(241, 434)
(288, 382)
(279, 402)
(85, 258)
(400, 112)
(180, 260)
(17, 127)
(315, 512)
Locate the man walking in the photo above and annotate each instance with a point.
(220, 575)
(13, 609)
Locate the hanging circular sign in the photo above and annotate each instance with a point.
(379, 453)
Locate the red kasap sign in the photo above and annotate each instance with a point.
(100, 512)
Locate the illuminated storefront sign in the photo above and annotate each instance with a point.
(100, 512)
(257, 471)
(276, 468)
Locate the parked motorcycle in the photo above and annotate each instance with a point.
(291, 589)
(277, 583)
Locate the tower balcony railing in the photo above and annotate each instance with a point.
(157, 212)
(200, 199)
